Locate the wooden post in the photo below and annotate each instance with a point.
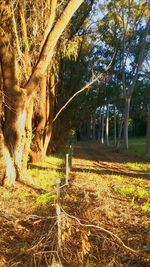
(58, 211)
(67, 168)
(58, 189)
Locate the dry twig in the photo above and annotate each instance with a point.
(115, 237)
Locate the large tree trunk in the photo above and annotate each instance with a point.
(14, 129)
(126, 122)
(49, 126)
(15, 98)
(28, 132)
(38, 141)
(7, 170)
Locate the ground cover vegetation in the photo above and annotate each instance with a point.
(107, 189)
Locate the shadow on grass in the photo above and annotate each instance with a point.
(32, 187)
(102, 153)
(105, 171)
(35, 167)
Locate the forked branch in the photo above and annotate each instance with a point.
(87, 86)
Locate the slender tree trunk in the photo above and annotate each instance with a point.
(148, 132)
(120, 133)
(107, 125)
(93, 128)
(26, 59)
(88, 126)
(126, 122)
(99, 125)
(102, 129)
(115, 127)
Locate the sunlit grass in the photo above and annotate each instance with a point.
(146, 207)
(139, 166)
(43, 199)
(136, 193)
(136, 190)
(43, 174)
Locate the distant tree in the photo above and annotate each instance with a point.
(125, 26)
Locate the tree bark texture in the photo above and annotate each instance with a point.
(17, 124)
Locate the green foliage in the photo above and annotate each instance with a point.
(128, 190)
(118, 178)
(131, 190)
(146, 207)
(133, 201)
(45, 198)
(141, 192)
(71, 49)
(139, 166)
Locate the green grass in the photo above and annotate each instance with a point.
(135, 191)
(146, 207)
(43, 199)
(139, 166)
(137, 146)
(43, 174)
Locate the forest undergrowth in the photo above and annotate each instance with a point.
(104, 212)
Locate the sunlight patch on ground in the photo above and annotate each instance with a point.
(139, 166)
(44, 174)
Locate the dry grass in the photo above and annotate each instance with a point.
(107, 189)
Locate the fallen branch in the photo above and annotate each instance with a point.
(119, 241)
(95, 79)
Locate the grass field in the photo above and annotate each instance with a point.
(137, 146)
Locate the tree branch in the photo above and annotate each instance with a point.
(50, 21)
(99, 76)
(115, 237)
(49, 45)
